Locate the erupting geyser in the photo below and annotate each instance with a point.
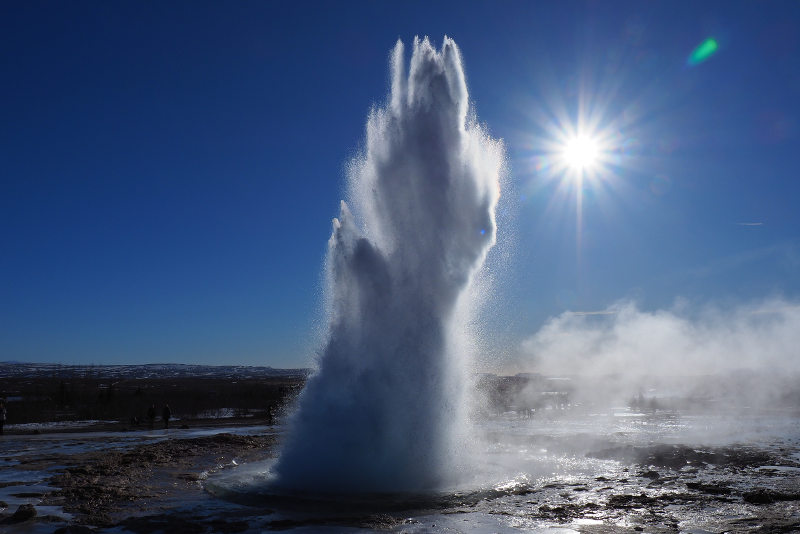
(385, 411)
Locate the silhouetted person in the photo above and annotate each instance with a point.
(151, 416)
(2, 417)
(166, 414)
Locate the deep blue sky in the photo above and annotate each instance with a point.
(169, 170)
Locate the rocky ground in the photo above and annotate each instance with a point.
(656, 489)
(669, 488)
(134, 488)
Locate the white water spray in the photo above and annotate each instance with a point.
(386, 409)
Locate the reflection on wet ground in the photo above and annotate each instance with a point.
(595, 474)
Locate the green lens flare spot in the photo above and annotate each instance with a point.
(704, 50)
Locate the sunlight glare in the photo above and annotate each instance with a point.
(580, 152)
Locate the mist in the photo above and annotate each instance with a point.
(736, 357)
(678, 341)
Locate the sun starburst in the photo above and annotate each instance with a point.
(581, 152)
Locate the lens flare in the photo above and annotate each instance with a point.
(660, 184)
(631, 148)
(704, 50)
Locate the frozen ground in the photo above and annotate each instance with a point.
(56, 425)
(594, 474)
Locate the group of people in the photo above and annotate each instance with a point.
(166, 414)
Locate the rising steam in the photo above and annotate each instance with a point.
(384, 411)
(673, 342)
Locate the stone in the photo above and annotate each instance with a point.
(24, 512)
(759, 496)
(74, 529)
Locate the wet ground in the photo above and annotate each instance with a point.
(598, 474)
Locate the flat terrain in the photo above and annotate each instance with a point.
(648, 475)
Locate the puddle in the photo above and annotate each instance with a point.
(586, 521)
(780, 468)
(24, 494)
(22, 476)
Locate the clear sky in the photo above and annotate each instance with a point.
(169, 170)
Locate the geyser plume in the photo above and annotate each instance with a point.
(385, 410)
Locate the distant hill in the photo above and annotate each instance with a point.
(14, 369)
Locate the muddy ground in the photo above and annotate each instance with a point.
(656, 489)
(664, 487)
(134, 488)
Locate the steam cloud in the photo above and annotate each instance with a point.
(669, 342)
(384, 412)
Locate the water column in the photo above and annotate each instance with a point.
(385, 409)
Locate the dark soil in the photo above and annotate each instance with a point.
(95, 394)
(679, 456)
(722, 488)
(659, 489)
(118, 488)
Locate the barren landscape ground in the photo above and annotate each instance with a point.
(596, 473)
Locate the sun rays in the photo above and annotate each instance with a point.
(580, 152)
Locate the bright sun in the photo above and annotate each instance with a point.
(580, 152)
